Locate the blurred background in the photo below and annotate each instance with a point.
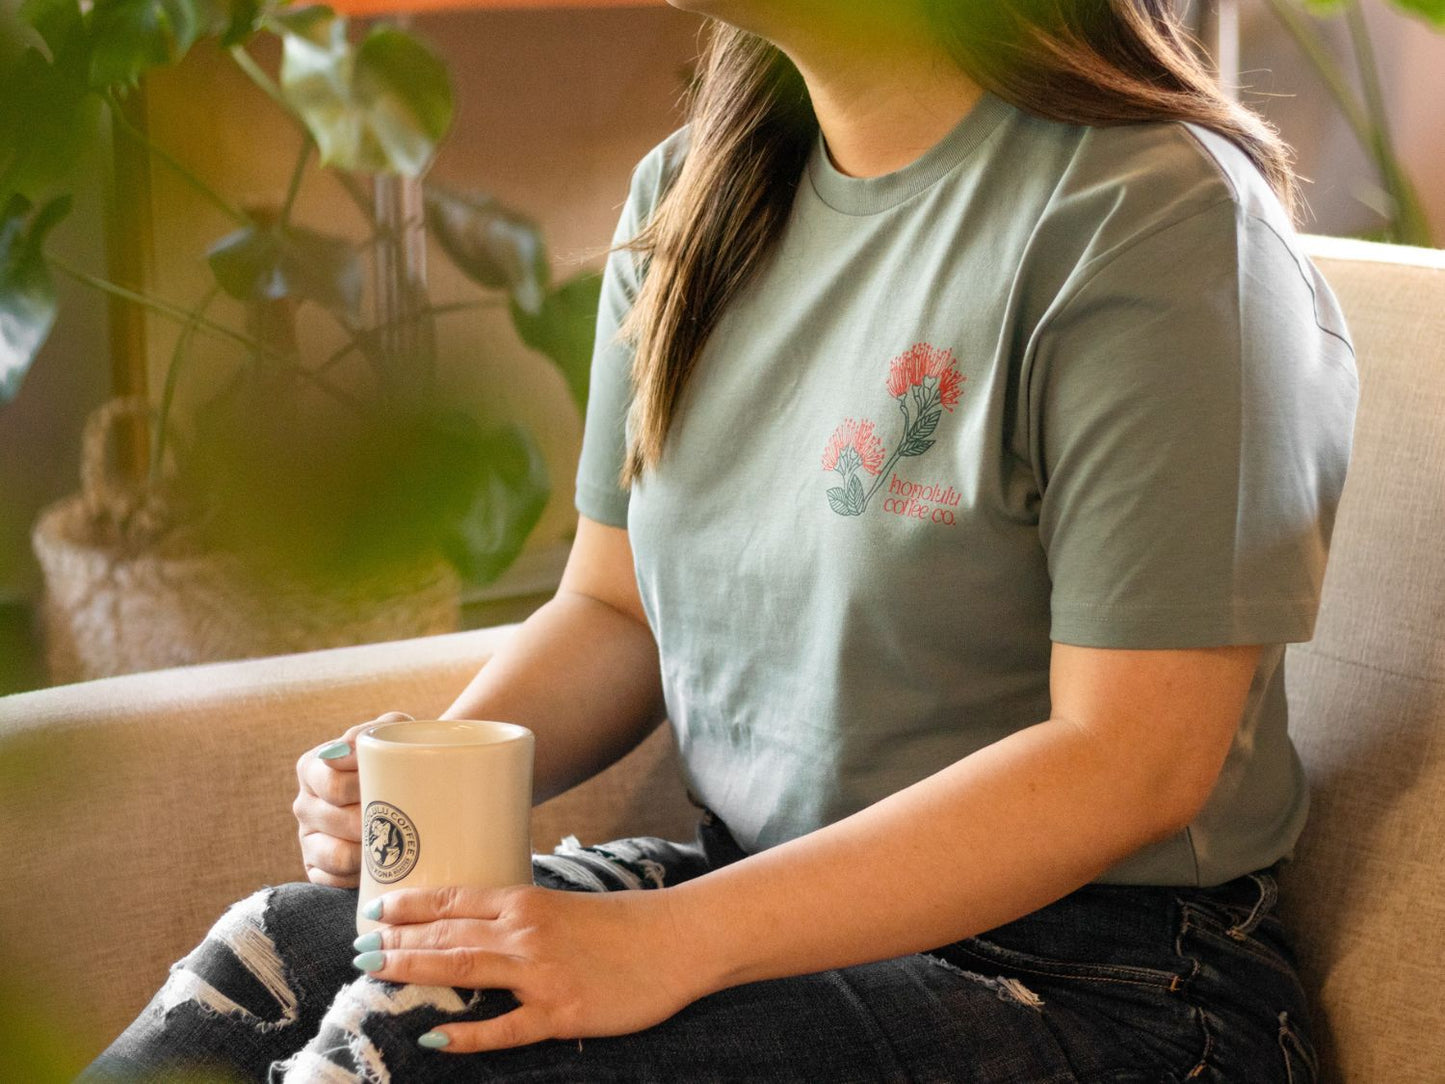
(554, 104)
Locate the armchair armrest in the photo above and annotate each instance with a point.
(140, 806)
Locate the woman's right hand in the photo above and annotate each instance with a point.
(328, 809)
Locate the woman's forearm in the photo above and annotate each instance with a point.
(997, 835)
(583, 677)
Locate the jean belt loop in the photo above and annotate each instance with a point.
(1268, 893)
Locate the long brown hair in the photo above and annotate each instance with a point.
(752, 127)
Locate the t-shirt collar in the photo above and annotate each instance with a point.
(869, 195)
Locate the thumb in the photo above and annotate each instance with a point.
(341, 754)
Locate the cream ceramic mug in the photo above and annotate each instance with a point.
(443, 802)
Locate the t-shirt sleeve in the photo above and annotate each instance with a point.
(1195, 398)
(599, 494)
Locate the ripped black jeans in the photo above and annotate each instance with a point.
(1110, 983)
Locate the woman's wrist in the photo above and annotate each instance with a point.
(698, 937)
(691, 945)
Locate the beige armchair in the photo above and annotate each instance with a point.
(138, 807)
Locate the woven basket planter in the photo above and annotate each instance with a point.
(127, 590)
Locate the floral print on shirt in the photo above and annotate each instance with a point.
(926, 382)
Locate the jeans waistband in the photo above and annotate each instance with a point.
(717, 843)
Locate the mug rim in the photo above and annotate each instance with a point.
(489, 732)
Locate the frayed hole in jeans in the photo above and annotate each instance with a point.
(237, 955)
(1008, 989)
(341, 1052)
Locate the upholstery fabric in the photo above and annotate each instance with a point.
(1365, 893)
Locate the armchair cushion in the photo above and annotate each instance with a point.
(1365, 892)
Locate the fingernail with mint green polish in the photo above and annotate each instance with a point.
(434, 1039)
(368, 942)
(334, 751)
(368, 961)
(372, 910)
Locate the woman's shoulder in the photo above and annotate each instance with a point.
(1165, 212)
(1117, 186)
(1145, 190)
(656, 170)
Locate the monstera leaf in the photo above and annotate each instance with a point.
(48, 117)
(503, 250)
(564, 329)
(267, 262)
(510, 494)
(59, 23)
(358, 495)
(27, 296)
(492, 245)
(237, 22)
(381, 106)
(129, 36)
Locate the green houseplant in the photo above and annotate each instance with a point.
(335, 481)
(1364, 108)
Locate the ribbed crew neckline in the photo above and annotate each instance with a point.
(870, 195)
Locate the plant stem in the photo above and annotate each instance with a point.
(436, 310)
(1369, 74)
(184, 172)
(1411, 225)
(175, 312)
(172, 372)
(343, 397)
(296, 173)
(247, 64)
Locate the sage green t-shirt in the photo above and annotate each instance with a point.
(1045, 382)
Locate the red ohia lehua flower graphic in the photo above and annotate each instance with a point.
(921, 363)
(857, 438)
(851, 448)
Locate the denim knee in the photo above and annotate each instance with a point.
(244, 967)
(371, 1029)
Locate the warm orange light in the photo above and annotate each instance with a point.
(393, 7)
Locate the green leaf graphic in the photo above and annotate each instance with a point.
(926, 424)
(838, 501)
(915, 446)
(856, 497)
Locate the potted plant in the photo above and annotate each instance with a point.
(312, 500)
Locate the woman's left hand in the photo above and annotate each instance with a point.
(581, 963)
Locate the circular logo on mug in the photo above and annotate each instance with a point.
(389, 842)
